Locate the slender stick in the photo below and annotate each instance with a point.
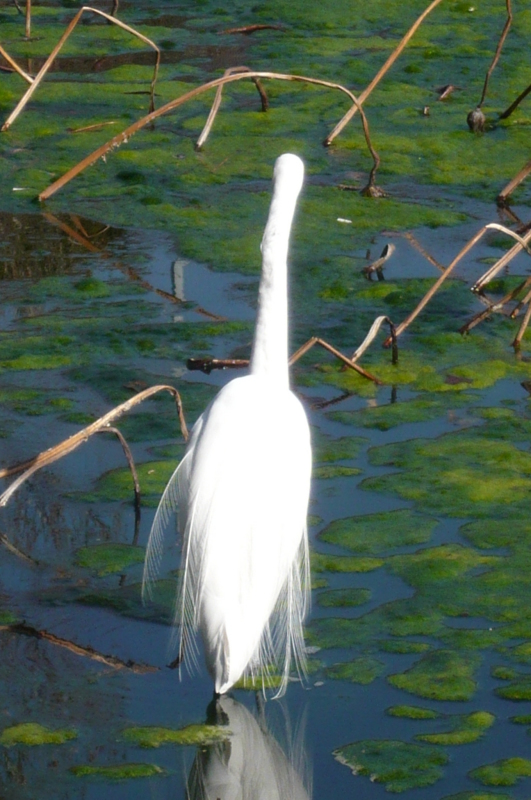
(429, 294)
(130, 460)
(28, 19)
(497, 54)
(15, 66)
(523, 327)
(494, 307)
(16, 552)
(516, 103)
(526, 299)
(501, 263)
(88, 652)
(321, 342)
(381, 72)
(28, 468)
(49, 61)
(122, 138)
(217, 102)
(516, 181)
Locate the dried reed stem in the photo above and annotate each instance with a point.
(516, 103)
(217, 102)
(516, 181)
(123, 137)
(28, 468)
(381, 72)
(349, 363)
(429, 294)
(15, 66)
(523, 327)
(28, 19)
(497, 54)
(49, 61)
(502, 262)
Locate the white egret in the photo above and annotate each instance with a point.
(242, 492)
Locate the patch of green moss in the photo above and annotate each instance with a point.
(108, 558)
(477, 796)
(117, 772)
(321, 562)
(503, 773)
(362, 670)
(375, 533)
(117, 484)
(504, 673)
(385, 417)
(518, 690)
(412, 712)
(398, 765)
(153, 736)
(343, 598)
(31, 734)
(403, 646)
(440, 675)
(127, 600)
(334, 471)
(464, 730)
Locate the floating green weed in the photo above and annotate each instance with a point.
(322, 562)
(398, 765)
(375, 533)
(362, 670)
(464, 730)
(108, 558)
(503, 773)
(32, 733)
(412, 712)
(117, 772)
(153, 736)
(440, 675)
(343, 598)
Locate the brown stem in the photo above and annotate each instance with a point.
(123, 137)
(88, 652)
(16, 552)
(247, 29)
(516, 181)
(381, 72)
(28, 468)
(494, 307)
(130, 460)
(497, 54)
(49, 61)
(429, 294)
(15, 66)
(516, 103)
(523, 327)
(28, 19)
(322, 343)
(217, 102)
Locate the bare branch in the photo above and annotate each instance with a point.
(381, 72)
(51, 58)
(67, 446)
(15, 66)
(337, 353)
(497, 54)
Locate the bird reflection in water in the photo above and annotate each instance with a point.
(249, 764)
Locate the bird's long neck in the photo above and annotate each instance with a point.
(270, 348)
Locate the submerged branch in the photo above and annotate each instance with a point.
(89, 652)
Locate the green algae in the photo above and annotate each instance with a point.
(376, 533)
(32, 734)
(403, 646)
(117, 484)
(153, 736)
(127, 600)
(506, 772)
(398, 765)
(464, 730)
(461, 471)
(412, 712)
(362, 670)
(440, 675)
(117, 772)
(343, 598)
(326, 449)
(322, 562)
(327, 472)
(105, 559)
(477, 796)
(386, 417)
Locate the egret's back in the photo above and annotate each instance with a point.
(244, 529)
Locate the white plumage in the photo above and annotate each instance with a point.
(242, 491)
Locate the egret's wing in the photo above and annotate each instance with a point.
(173, 499)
